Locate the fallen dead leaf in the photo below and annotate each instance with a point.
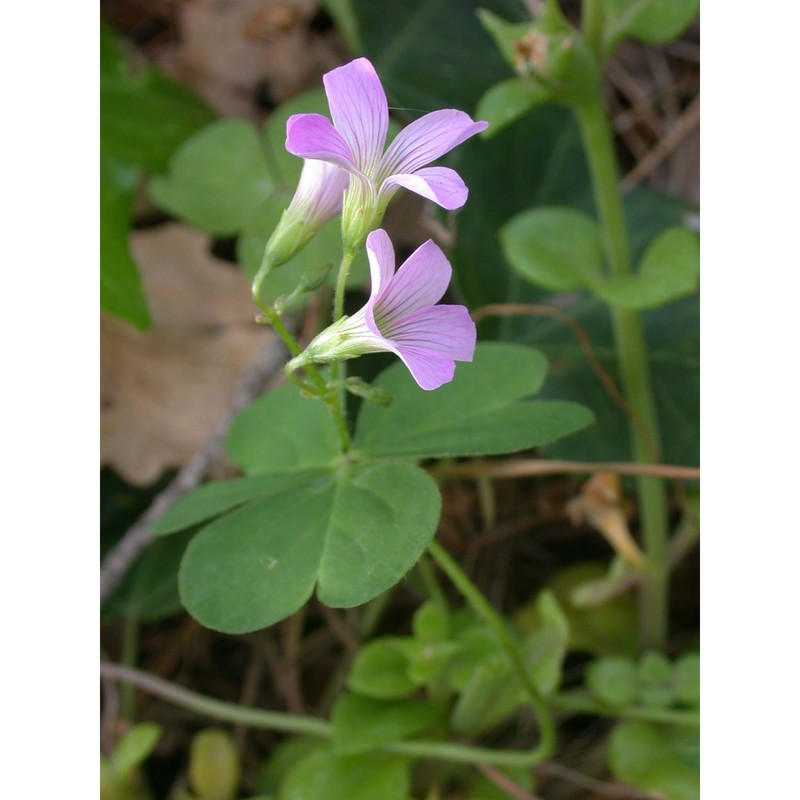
(227, 48)
(163, 391)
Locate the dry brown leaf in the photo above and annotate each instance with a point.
(228, 47)
(164, 391)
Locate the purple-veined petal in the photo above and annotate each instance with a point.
(448, 330)
(380, 254)
(430, 370)
(313, 136)
(440, 184)
(427, 138)
(419, 283)
(359, 111)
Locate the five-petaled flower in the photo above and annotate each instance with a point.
(401, 317)
(355, 141)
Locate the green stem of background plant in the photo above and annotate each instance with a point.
(482, 607)
(592, 25)
(309, 726)
(635, 370)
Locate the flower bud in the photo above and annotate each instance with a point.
(318, 199)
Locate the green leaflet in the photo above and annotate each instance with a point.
(480, 411)
(352, 534)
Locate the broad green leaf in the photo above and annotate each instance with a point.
(323, 776)
(361, 724)
(508, 101)
(134, 747)
(478, 412)
(217, 179)
(670, 268)
(144, 115)
(558, 248)
(380, 670)
(419, 71)
(208, 501)
(121, 292)
(613, 680)
(646, 757)
(651, 21)
(283, 432)
(504, 34)
(353, 534)
(214, 765)
(149, 590)
(212, 499)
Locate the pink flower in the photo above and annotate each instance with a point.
(401, 317)
(355, 142)
(318, 198)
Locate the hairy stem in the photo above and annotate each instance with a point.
(481, 606)
(635, 370)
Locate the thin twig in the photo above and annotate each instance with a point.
(127, 550)
(522, 468)
(517, 309)
(687, 122)
(502, 781)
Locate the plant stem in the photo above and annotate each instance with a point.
(309, 726)
(338, 369)
(320, 384)
(586, 705)
(592, 24)
(481, 606)
(634, 367)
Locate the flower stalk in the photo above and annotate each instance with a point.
(635, 370)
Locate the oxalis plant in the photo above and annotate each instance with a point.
(339, 495)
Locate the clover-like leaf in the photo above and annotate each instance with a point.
(217, 179)
(352, 533)
(482, 410)
(669, 269)
(508, 101)
(558, 248)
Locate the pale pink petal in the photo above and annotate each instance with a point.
(427, 138)
(313, 136)
(419, 283)
(359, 110)
(440, 184)
(430, 370)
(448, 330)
(320, 190)
(380, 254)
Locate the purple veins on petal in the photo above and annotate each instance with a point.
(356, 138)
(402, 312)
